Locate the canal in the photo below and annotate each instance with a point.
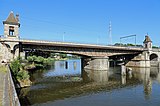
(65, 84)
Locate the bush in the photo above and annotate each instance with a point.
(39, 59)
(30, 59)
(17, 70)
(15, 66)
(22, 75)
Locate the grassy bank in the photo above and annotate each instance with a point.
(3, 68)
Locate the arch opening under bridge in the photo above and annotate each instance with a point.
(153, 57)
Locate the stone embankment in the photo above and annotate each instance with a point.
(8, 94)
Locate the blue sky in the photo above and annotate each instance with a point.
(85, 21)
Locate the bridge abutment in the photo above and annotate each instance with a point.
(9, 51)
(96, 63)
(142, 60)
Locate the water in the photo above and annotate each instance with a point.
(65, 85)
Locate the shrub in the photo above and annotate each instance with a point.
(39, 59)
(17, 70)
(22, 75)
(15, 66)
(30, 59)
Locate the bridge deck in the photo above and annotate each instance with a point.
(69, 44)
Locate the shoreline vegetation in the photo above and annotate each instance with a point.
(21, 68)
(3, 68)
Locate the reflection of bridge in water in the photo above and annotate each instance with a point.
(96, 82)
(110, 80)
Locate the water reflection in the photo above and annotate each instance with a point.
(123, 79)
(64, 68)
(63, 82)
(143, 74)
(75, 65)
(96, 76)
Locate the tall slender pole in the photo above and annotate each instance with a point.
(110, 33)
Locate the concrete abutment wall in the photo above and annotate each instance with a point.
(10, 51)
(96, 63)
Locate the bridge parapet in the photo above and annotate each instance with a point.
(156, 49)
(45, 42)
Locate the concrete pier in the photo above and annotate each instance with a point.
(96, 63)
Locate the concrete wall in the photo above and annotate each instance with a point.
(5, 52)
(10, 94)
(8, 52)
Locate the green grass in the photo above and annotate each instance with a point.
(3, 68)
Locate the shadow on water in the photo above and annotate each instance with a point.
(66, 81)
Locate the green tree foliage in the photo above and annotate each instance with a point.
(39, 59)
(52, 55)
(118, 44)
(38, 62)
(18, 71)
(22, 75)
(154, 47)
(62, 55)
(30, 59)
(128, 44)
(15, 66)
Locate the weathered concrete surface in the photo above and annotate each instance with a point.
(8, 95)
(97, 63)
(142, 60)
(2, 76)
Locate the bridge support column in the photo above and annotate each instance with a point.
(96, 63)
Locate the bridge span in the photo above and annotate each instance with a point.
(93, 56)
(89, 50)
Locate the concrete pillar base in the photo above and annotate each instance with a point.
(97, 63)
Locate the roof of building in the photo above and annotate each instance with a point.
(11, 19)
(147, 39)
